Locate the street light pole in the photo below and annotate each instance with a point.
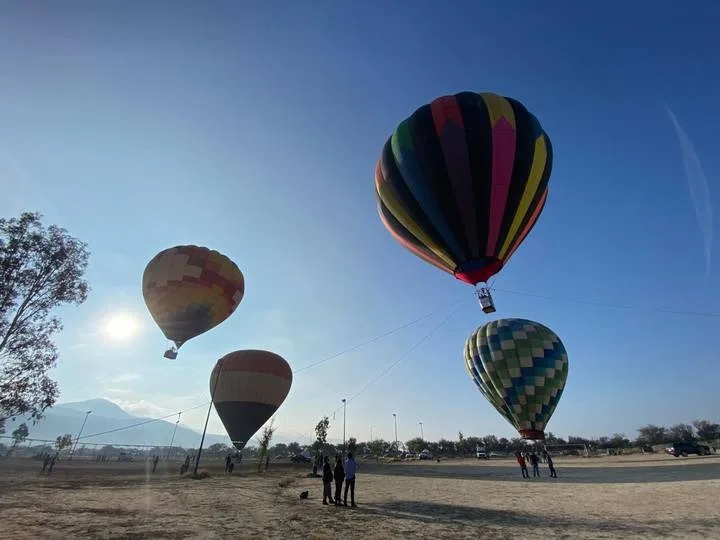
(87, 413)
(371, 430)
(397, 448)
(344, 401)
(172, 440)
(422, 436)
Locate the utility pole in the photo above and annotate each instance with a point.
(397, 448)
(87, 413)
(371, 430)
(172, 440)
(212, 399)
(422, 436)
(344, 401)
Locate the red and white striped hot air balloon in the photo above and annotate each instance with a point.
(252, 384)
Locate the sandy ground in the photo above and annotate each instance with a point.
(613, 497)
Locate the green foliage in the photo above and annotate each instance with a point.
(63, 441)
(707, 431)
(265, 438)
(321, 432)
(352, 445)
(41, 268)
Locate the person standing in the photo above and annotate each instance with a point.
(534, 461)
(350, 469)
(523, 465)
(327, 477)
(228, 460)
(155, 463)
(339, 478)
(551, 465)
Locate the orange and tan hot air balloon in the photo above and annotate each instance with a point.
(252, 384)
(189, 290)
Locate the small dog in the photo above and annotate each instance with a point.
(304, 494)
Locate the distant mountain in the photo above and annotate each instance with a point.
(113, 426)
(99, 407)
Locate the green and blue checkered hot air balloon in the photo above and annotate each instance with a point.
(520, 366)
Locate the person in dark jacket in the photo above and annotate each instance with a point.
(551, 465)
(534, 461)
(327, 478)
(339, 477)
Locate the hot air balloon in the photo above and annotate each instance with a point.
(189, 290)
(520, 366)
(462, 181)
(250, 387)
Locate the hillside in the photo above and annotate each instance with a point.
(106, 417)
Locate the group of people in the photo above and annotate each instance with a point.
(343, 472)
(49, 463)
(230, 464)
(524, 457)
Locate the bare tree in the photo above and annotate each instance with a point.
(41, 268)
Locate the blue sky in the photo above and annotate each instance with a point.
(254, 128)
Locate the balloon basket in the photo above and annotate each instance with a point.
(532, 435)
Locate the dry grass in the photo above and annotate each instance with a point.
(602, 498)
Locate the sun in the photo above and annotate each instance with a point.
(121, 327)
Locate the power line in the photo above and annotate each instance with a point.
(369, 341)
(407, 352)
(148, 421)
(611, 305)
(305, 368)
(401, 357)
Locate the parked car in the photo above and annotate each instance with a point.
(299, 458)
(684, 448)
(425, 454)
(482, 454)
(125, 457)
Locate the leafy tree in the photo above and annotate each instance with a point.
(352, 445)
(63, 441)
(378, 447)
(619, 440)
(321, 432)
(415, 445)
(19, 435)
(278, 449)
(462, 443)
(41, 268)
(681, 432)
(491, 443)
(707, 431)
(294, 449)
(652, 434)
(218, 448)
(264, 442)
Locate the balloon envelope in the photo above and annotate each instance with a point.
(190, 289)
(462, 181)
(251, 385)
(520, 366)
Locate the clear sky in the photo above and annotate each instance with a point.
(254, 128)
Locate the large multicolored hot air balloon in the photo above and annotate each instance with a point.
(247, 387)
(520, 366)
(189, 290)
(462, 181)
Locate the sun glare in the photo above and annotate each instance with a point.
(121, 327)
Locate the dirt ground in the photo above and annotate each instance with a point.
(612, 497)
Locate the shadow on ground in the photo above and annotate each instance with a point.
(431, 512)
(570, 475)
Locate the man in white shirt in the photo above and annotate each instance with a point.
(350, 468)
